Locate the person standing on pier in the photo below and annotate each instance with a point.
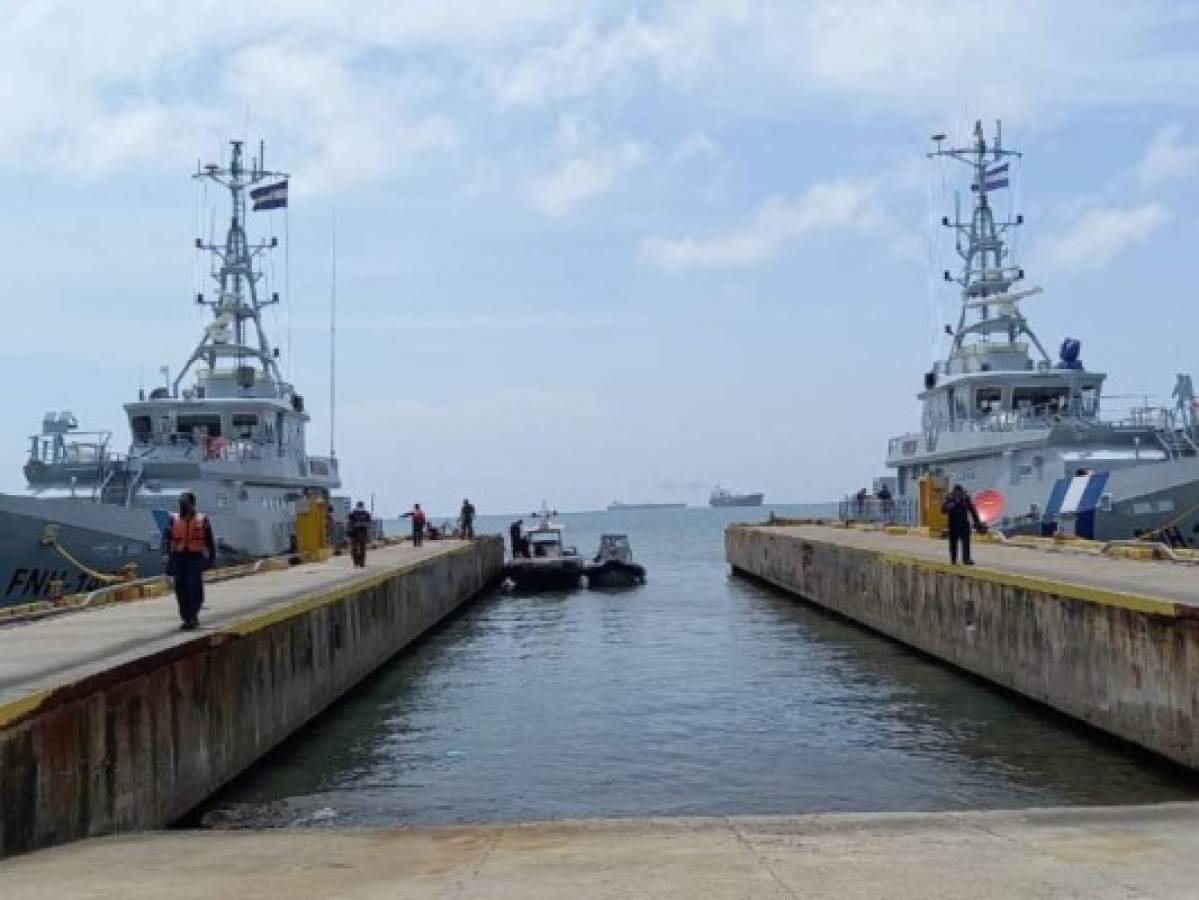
(468, 520)
(188, 549)
(959, 509)
(515, 535)
(417, 515)
(360, 534)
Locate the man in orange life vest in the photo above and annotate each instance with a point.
(188, 549)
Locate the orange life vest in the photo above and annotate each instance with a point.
(187, 535)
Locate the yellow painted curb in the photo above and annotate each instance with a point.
(14, 709)
(324, 597)
(1069, 589)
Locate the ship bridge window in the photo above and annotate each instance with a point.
(988, 400)
(142, 428)
(209, 425)
(1040, 401)
(1089, 398)
(244, 425)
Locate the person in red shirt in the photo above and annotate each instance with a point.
(417, 515)
(188, 549)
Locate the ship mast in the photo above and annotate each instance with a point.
(236, 330)
(989, 303)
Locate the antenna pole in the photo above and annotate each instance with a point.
(333, 345)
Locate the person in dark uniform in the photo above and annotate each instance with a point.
(515, 537)
(959, 509)
(885, 504)
(188, 549)
(417, 515)
(360, 533)
(468, 520)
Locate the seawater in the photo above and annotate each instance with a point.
(695, 694)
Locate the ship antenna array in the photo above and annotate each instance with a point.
(979, 239)
(234, 269)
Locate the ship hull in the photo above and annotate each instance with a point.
(102, 538)
(545, 574)
(738, 500)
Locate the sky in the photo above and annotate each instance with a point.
(585, 250)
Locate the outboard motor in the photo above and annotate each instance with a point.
(1069, 354)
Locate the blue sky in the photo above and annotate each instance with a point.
(590, 250)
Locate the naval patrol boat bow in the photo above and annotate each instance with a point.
(1026, 434)
(235, 437)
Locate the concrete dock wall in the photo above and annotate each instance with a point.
(1122, 662)
(144, 741)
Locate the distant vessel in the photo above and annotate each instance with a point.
(616, 505)
(235, 438)
(722, 497)
(1024, 433)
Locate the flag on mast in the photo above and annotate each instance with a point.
(271, 196)
(991, 179)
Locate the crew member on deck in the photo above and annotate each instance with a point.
(468, 520)
(360, 533)
(188, 549)
(960, 510)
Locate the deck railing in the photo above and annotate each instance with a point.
(891, 511)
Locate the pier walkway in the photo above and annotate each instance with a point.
(1104, 578)
(41, 656)
(1142, 851)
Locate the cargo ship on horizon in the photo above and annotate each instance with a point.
(722, 497)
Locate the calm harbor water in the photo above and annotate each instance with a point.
(694, 694)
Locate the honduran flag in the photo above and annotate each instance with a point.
(991, 181)
(270, 196)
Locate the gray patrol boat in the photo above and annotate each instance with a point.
(1028, 435)
(235, 438)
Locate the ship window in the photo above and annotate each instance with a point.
(210, 424)
(244, 425)
(988, 400)
(1090, 400)
(1040, 401)
(142, 428)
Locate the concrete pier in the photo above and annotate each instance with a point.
(1092, 853)
(113, 720)
(1111, 642)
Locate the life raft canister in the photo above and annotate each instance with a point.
(187, 535)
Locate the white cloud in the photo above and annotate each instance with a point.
(343, 130)
(1100, 234)
(593, 56)
(904, 57)
(1167, 157)
(846, 204)
(588, 167)
(696, 145)
(91, 88)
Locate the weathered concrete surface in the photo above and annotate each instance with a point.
(1067, 631)
(113, 720)
(1091, 853)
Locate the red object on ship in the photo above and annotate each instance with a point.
(989, 504)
